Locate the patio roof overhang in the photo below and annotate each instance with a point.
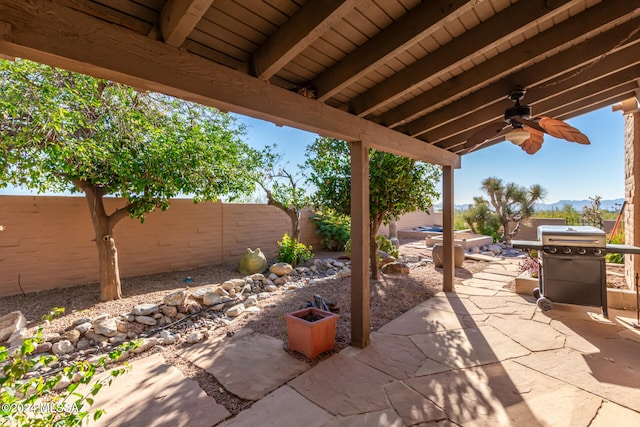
(404, 76)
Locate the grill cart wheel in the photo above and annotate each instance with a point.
(536, 293)
(545, 304)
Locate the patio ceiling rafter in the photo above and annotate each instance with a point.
(49, 33)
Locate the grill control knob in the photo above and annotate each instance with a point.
(566, 250)
(552, 250)
(597, 252)
(581, 251)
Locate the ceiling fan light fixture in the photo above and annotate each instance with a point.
(517, 136)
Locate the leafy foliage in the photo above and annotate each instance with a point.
(335, 229)
(617, 239)
(383, 244)
(481, 220)
(31, 401)
(397, 185)
(61, 130)
(293, 252)
(508, 204)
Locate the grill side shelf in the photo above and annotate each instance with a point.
(527, 244)
(623, 249)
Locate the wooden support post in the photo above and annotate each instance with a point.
(448, 270)
(360, 293)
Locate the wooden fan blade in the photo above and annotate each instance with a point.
(559, 129)
(534, 143)
(490, 131)
(529, 123)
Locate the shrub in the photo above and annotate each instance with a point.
(31, 401)
(293, 252)
(617, 239)
(335, 229)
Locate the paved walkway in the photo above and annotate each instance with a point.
(479, 356)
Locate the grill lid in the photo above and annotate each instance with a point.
(578, 235)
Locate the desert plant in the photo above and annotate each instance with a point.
(293, 252)
(617, 239)
(29, 400)
(333, 228)
(383, 243)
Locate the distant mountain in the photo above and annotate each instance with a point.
(608, 205)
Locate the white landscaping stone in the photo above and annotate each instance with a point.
(107, 327)
(271, 288)
(251, 301)
(10, 323)
(62, 347)
(194, 337)
(281, 268)
(169, 310)
(145, 344)
(344, 273)
(145, 309)
(211, 298)
(146, 320)
(175, 298)
(236, 310)
(83, 327)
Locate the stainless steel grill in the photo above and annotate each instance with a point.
(572, 265)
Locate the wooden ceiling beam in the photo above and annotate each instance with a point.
(52, 34)
(481, 38)
(452, 117)
(594, 19)
(412, 27)
(179, 17)
(312, 20)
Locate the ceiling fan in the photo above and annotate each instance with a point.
(519, 128)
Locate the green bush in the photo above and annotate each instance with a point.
(31, 401)
(335, 229)
(617, 239)
(292, 251)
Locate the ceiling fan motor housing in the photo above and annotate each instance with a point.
(523, 111)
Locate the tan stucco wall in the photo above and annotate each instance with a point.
(414, 219)
(47, 241)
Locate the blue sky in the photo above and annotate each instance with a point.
(568, 171)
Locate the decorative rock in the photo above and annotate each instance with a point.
(83, 344)
(158, 316)
(257, 277)
(251, 301)
(235, 311)
(280, 281)
(252, 309)
(62, 347)
(281, 268)
(119, 338)
(44, 347)
(17, 337)
(101, 317)
(272, 277)
(63, 383)
(81, 320)
(222, 292)
(145, 344)
(395, 268)
(169, 310)
(175, 298)
(83, 327)
(194, 337)
(106, 327)
(193, 307)
(122, 326)
(146, 320)
(91, 335)
(252, 262)
(198, 294)
(145, 309)
(10, 323)
(270, 288)
(73, 336)
(320, 265)
(343, 273)
(233, 283)
(211, 298)
(169, 340)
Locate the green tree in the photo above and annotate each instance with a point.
(481, 219)
(397, 185)
(511, 203)
(61, 130)
(283, 189)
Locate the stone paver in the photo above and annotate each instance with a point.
(479, 284)
(283, 407)
(154, 394)
(394, 355)
(474, 290)
(615, 415)
(507, 394)
(344, 386)
(249, 364)
(611, 373)
(422, 319)
(468, 347)
(534, 336)
(412, 407)
(387, 418)
(485, 275)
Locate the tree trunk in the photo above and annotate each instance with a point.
(393, 229)
(294, 214)
(110, 288)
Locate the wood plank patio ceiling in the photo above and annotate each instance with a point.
(432, 72)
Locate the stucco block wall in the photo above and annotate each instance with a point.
(413, 220)
(47, 241)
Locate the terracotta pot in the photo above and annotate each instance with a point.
(311, 337)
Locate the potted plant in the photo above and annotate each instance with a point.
(311, 331)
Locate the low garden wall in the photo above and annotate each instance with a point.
(47, 241)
